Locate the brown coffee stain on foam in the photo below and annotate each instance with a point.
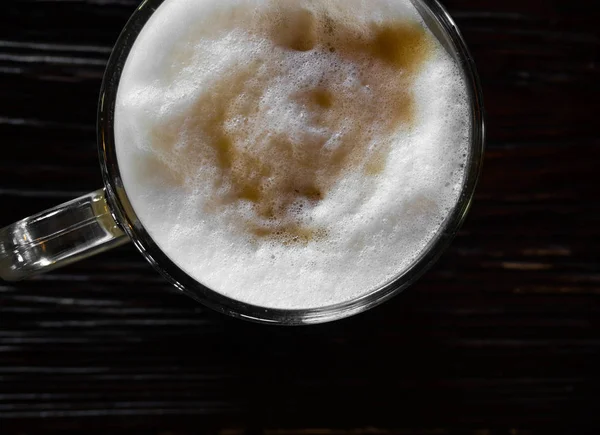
(323, 98)
(394, 52)
(289, 234)
(399, 46)
(293, 27)
(402, 45)
(153, 168)
(278, 175)
(375, 163)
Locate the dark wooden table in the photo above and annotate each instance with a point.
(502, 336)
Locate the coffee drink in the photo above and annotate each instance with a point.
(291, 153)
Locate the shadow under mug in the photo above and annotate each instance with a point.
(104, 219)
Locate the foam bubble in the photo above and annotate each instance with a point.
(291, 154)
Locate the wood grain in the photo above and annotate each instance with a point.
(501, 336)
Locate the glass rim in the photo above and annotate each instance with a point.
(124, 214)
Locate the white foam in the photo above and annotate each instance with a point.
(229, 132)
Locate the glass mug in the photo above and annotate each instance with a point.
(105, 218)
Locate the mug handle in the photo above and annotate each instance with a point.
(58, 236)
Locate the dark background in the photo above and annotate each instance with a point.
(502, 336)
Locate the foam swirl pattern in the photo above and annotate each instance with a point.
(291, 154)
